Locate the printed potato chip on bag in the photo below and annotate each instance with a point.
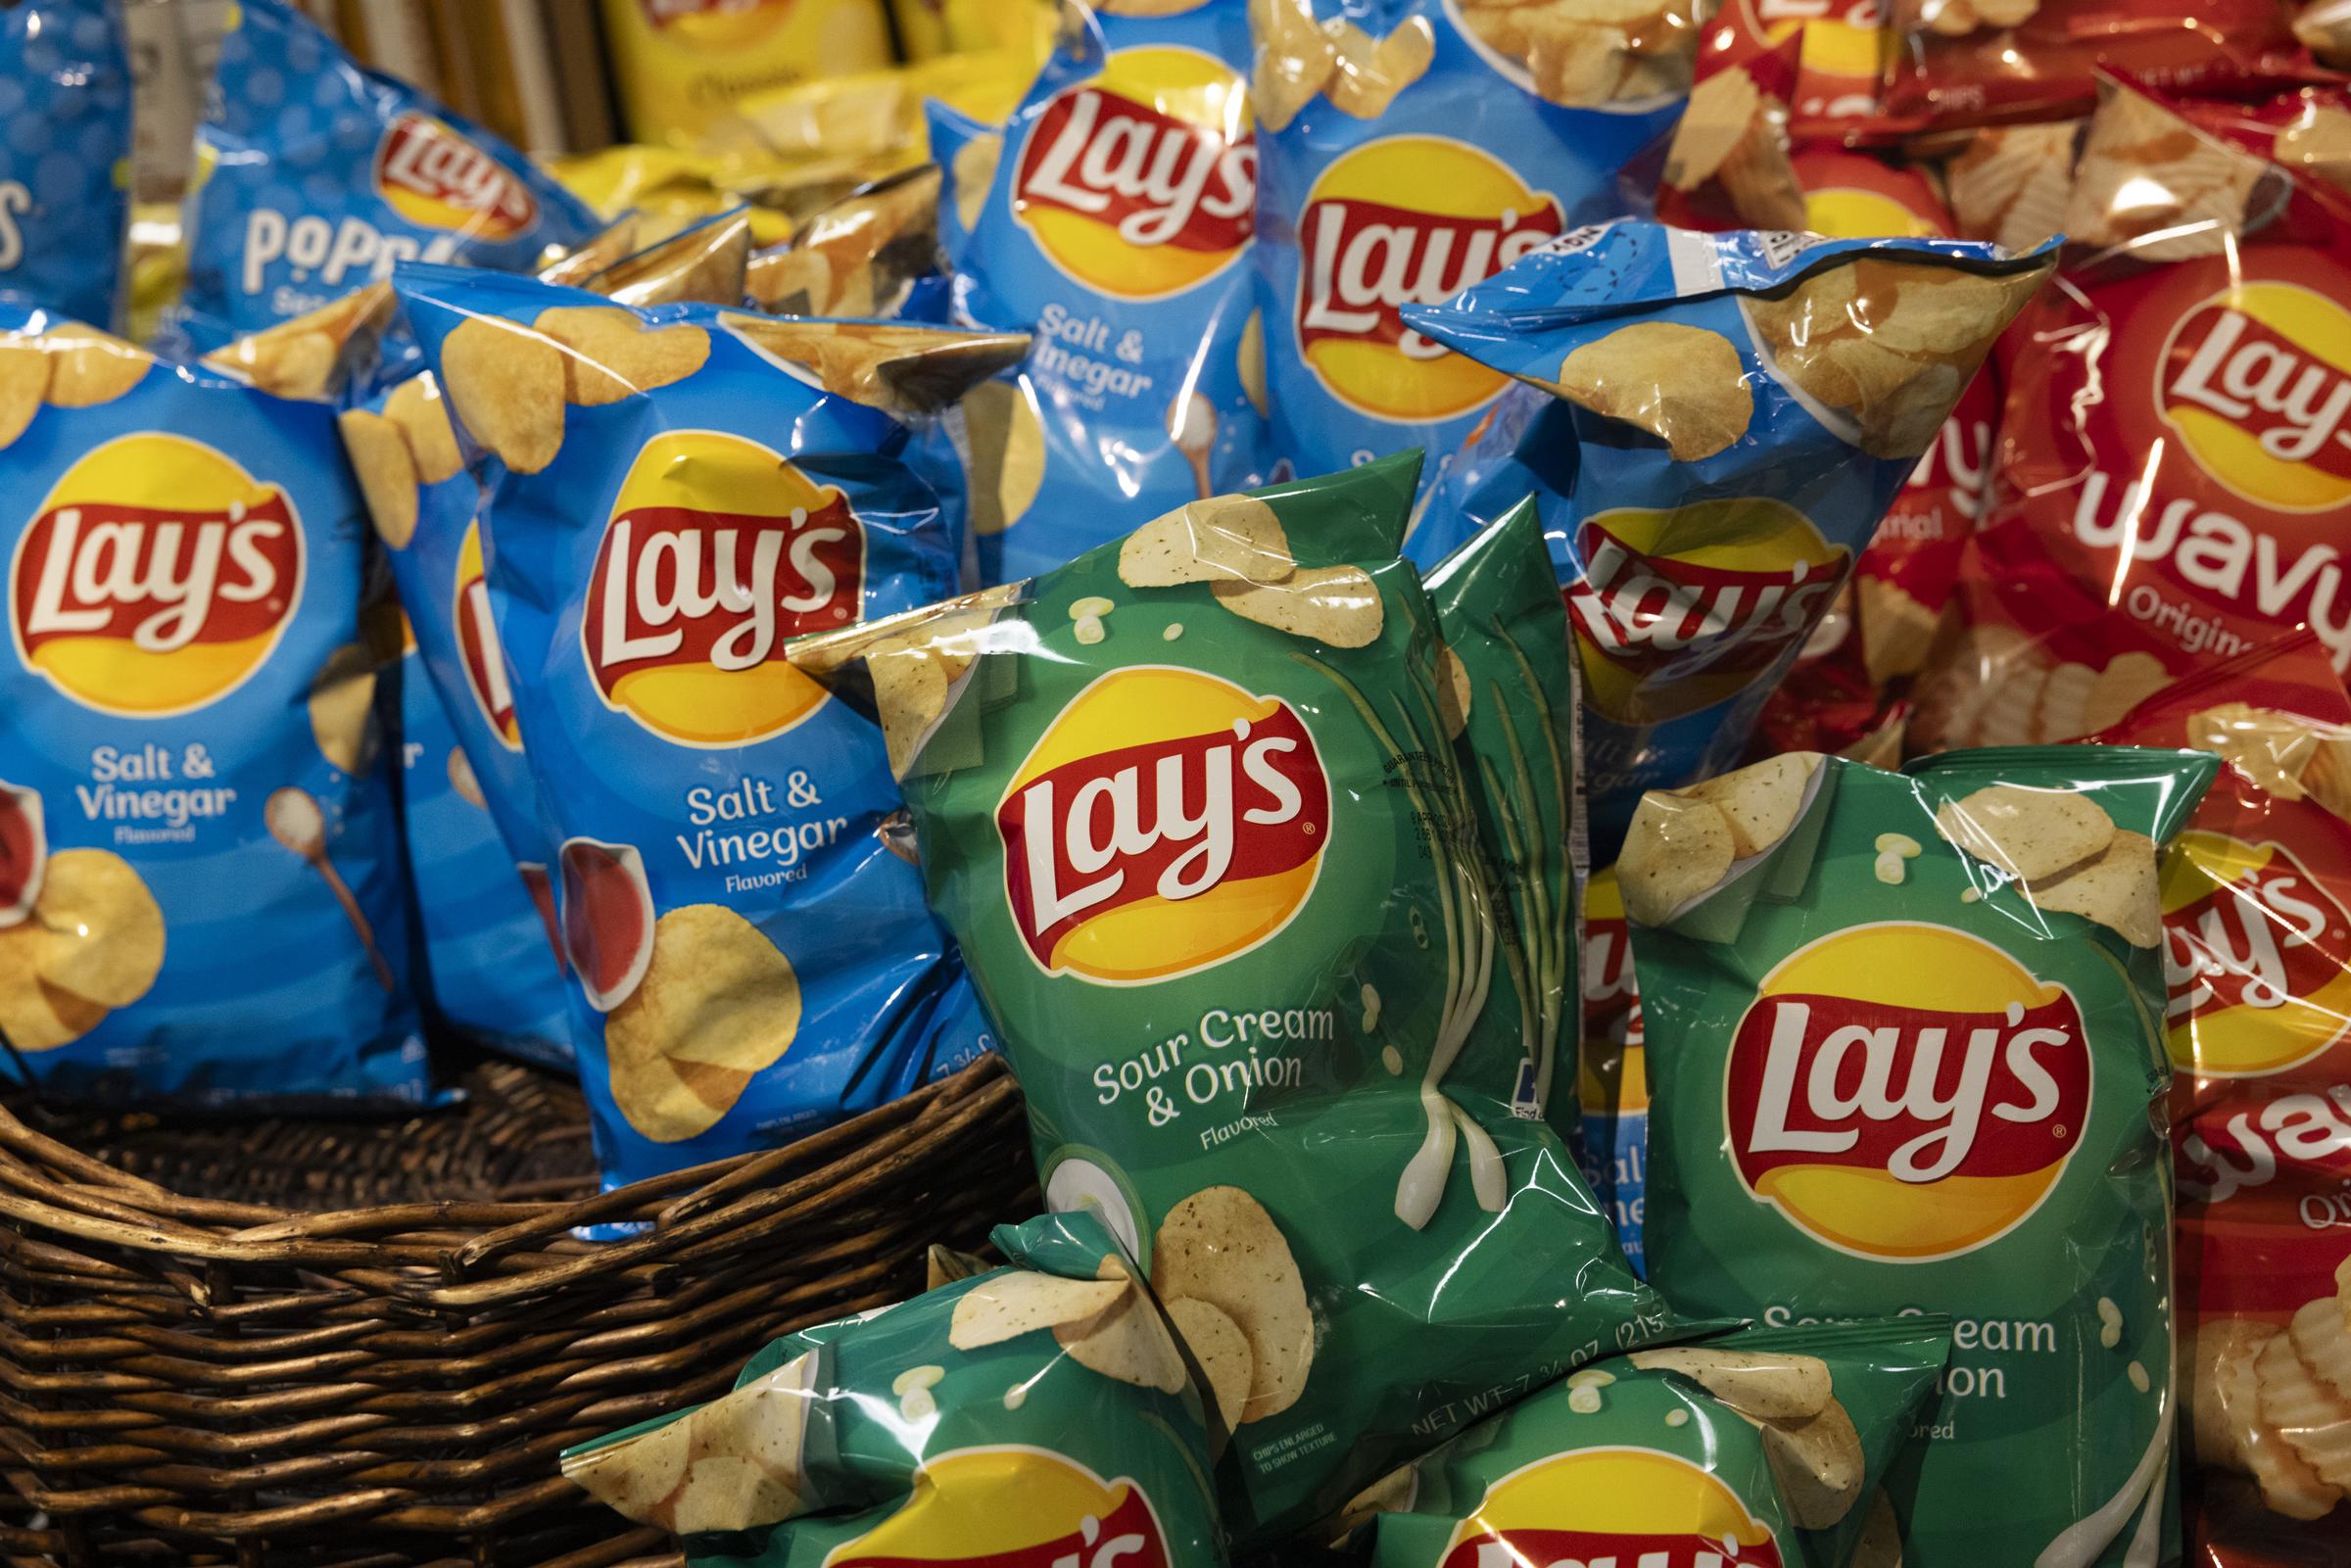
(1728, 165)
(2306, 130)
(874, 252)
(203, 897)
(1840, 57)
(2167, 491)
(1411, 149)
(681, 65)
(1037, 1413)
(674, 491)
(65, 165)
(1764, 1449)
(1717, 424)
(2258, 951)
(316, 176)
(489, 966)
(1507, 696)
(1846, 691)
(1982, 61)
(1114, 214)
(2013, 185)
(1906, 1052)
(1189, 808)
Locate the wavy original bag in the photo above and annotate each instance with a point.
(1904, 1053)
(2258, 953)
(1764, 1449)
(1717, 425)
(1037, 1413)
(1188, 806)
(674, 491)
(65, 167)
(1411, 149)
(201, 892)
(315, 176)
(1112, 215)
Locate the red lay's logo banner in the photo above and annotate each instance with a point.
(1012, 1507)
(1166, 821)
(718, 552)
(1407, 221)
(435, 178)
(2257, 382)
(157, 576)
(1611, 1003)
(1142, 182)
(2254, 957)
(1635, 1508)
(1906, 1091)
(478, 649)
(1679, 609)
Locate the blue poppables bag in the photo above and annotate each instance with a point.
(490, 968)
(669, 494)
(315, 176)
(1712, 426)
(65, 162)
(1410, 149)
(1114, 216)
(201, 892)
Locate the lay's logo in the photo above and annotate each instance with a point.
(1611, 1003)
(1682, 608)
(478, 650)
(1012, 1507)
(1625, 1508)
(1906, 1091)
(1165, 821)
(2253, 957)
(1142, 182)
(155, 578)
(436, 178)
(718, 552)
(2257, 381)
(1407, 221)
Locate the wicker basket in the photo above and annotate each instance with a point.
(191, 1377)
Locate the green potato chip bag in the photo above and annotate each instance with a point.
(1763, 1448)
(1188, 806)
(1905, 1054)
(1037, 1414)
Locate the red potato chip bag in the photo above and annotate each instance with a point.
(1727, 167)
(2257, 929)
(2308, 130)
(1983, 62)
(2173, 470)
(1841, 57)
(1848, 693)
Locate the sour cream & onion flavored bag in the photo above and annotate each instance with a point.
(1189, 808)
(1905, 1054)
(673, 490)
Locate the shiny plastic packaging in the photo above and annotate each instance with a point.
(65, 165)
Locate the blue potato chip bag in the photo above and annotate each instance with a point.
(1713, 425)
(205, 898)
(1410, 149)
(1114, 217)
(65, 94)
(489, 964)
(669, 494)
(315, 175)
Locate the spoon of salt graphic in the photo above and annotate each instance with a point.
(295, 822)
(1192, 425)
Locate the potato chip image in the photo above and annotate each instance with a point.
(34, 1015)
(1766, 1386)
(1897, 632)
(1721, 109)
(1675, 849)
(507, 384)
(717, 996)
(386, 469)
(2031, 834)
(1760, 802)
(1685, 385)
(1128, 1340)
(975, 165)
(2307, 1412)
(2216, 1339)
(1337, 606)
(1453, 693)
(1295, 59)
(342, 705)
(910, 694)
(415, 406)
(1221, 539)
(25, 373)
(1252, 357)
(1006, 447)
(2322, 1336)
(1819, 1465)
(610, 352)
(1220, 1350)
(1221, 1246)
(1017, 1303)
(2118, 887)
(91, 367)
(2271, 750)
(102, 932)
(1880, 1545)
(2289, 1485)
(1368, 73)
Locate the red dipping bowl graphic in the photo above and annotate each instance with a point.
(542, 889)
(607, 919)
(24, 851)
